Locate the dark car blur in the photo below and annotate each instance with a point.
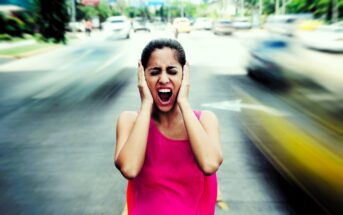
(223, 26)
(140, 24)
(264, 67)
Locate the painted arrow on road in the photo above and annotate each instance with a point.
(237, 106)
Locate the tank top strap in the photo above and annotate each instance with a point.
(197, 113)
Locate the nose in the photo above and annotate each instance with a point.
(164, 79)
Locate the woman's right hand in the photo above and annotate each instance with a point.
(144, 91)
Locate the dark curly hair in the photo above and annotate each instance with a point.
(159, 44)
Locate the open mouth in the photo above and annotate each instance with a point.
(165, 95)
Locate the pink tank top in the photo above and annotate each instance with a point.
(170, 181)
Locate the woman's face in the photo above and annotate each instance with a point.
(163, 75)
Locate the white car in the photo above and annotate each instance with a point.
(203, 23)
(118, 26)
(285, 24)
(242, 23)
(77, 26)
(327, 38)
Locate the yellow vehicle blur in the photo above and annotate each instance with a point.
(309, 25)
(182, 25)
(299, 123)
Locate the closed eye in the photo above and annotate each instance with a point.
(154, 72)
(172, 71)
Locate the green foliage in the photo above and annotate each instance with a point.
(319, 8)
(5, 37)
(268, 7)
(29, 21)
(2, 23)
(202, 10)
(14, 26)
(53, 20)
(133, 12)
(104, 11)
(190, 9)
(88, 12)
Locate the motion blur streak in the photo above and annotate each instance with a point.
(305, 144)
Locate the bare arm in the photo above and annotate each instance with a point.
(204, 136)
(132, 133)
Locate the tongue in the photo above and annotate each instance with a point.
(164, 96)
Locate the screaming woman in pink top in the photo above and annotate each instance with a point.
(168, 152)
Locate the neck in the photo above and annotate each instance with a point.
(167, 118)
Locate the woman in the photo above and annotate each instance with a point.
(169, 152)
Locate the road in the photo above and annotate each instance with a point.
(57, 126)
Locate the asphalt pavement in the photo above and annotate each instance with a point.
(57, 126)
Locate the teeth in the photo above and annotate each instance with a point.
(164, 91)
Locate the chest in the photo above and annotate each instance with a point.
(174, 132)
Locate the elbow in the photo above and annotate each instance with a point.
(210, 167)
(128, 172)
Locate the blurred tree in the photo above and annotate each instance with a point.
(29, 20)
(202, 10)
(268, 7)
(14, 26)
(190, 9)
(53, 20)
(2, 23)
(104, 10)
(87, 12)
(120, 6)
(324, 9)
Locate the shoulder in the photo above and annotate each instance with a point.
(208, 118)
(209, 122)
(127, 117)
(207, 115)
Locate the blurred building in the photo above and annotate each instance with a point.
(89, 2)
(225, 8)
(8, 6)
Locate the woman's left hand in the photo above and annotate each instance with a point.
(184, 89)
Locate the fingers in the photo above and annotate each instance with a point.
(140, 73)
(186, 72)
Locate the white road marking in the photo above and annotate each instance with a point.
(237, 106)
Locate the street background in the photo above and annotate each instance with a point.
(274, 83)
(58, 131)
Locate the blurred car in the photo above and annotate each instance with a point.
(241, 23)
(263, 65)
(76, 26)
(326, 38)
(286, 25)
(309, 25)
(140, 24)
(203, 23)
(182, 25)
(118, 26)
(223, 26)
(303, 137)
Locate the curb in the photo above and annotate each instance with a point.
(40, 50)
(31, 53)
